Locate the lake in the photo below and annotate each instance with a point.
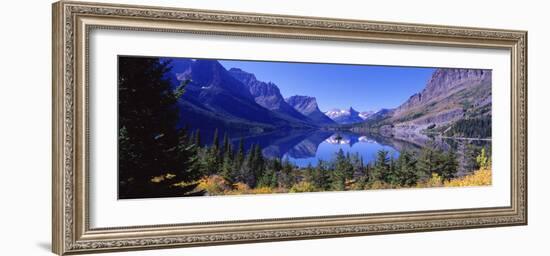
(351, 143)
(304, 147)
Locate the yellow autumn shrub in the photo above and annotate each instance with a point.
(302, 186)
(478, 178)
(357, 186)
(238, 188)
(434, 181)
(378, 185)
(213, 185)
(262, 190)
(161, 178)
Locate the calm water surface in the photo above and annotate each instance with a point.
(303, 147)
(349, 143)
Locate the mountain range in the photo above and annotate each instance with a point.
(268, 96)
(235, 99)
(348, 116)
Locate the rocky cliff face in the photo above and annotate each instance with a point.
(450, 94)
(308, 106)
(210, 75)
(267, 95)
(444, 82)
(214, 98)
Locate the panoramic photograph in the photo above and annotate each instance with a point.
(214, 127)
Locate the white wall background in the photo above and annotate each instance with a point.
(25, 101)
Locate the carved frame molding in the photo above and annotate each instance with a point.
(72, 22)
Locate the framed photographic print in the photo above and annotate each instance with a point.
(179, 127)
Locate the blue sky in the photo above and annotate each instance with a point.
(341, 86)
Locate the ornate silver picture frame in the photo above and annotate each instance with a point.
(74, 21)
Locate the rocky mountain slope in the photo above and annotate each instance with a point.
(307, 106)
(450, 96)
(268, 96)
(214, 98)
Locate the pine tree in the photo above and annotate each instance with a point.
(247, 169)
(239, 158)
(341, 171)
(321, 178)
(198, 138)
(210, 161)
(216, 141)
(369, 173)
(449, 165)
(308, 174)
(287, 174)
(154, 153)
(275, 167)
(357, 166)
(392, 176)
(470, 161)
(428, 162)
(258, 166)
(381, 167)
(226, 145)
(188, 153)
(407, 173)
(227, 166)
(214, 159)
(191, 138)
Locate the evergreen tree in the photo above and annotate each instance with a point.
(449, 165)
(471, 128)
(227, 165)
(276, 168)
(287, 177)
(428, 162)
(265, 179)
(308, 174)
(342, 170)
(381, 168)
(216, 151)
(407, 173)
(198, 138)
(392, 177)
(321, 178)
(248, 173)
(153, 152)
(357, 166)
(239, 158)
(258, 164)
(191, 138)
(216, 141)
(369, 173)
(210, 161)
(470, 155)
(188, 153)
(226, 145)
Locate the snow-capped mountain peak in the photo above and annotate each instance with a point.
(366, 114)
(347, 116)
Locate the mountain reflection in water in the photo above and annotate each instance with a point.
(304, 147)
